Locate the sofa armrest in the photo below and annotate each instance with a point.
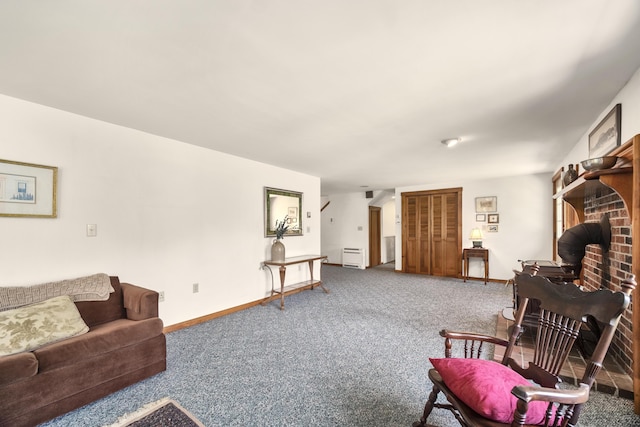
(140, 303)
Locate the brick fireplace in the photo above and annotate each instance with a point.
(610, 269)
(617, 193)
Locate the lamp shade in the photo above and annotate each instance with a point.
(476, 234)
(476, 237)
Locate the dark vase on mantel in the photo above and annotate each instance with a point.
(277, 251)
(570, 175)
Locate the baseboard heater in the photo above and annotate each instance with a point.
(353, 258)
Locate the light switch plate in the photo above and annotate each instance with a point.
(92, 230)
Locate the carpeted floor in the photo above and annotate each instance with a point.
(355, 357)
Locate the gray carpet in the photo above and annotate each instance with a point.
(355, 357)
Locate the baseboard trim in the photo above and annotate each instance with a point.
(206, 318)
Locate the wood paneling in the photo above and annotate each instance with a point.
(431, 242)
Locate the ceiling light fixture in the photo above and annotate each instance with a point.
(450, 142)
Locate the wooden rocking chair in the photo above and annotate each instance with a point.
(490, 394)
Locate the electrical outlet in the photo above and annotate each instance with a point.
(196, 288)
(161, 296)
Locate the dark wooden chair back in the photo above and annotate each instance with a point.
(564, 310)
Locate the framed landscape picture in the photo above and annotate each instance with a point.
(606, 136)
(27, 190)
(486, 204)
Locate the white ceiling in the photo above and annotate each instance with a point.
(357, 92)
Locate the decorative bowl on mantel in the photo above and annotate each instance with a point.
(599, 163)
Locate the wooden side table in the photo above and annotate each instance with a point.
(476, 253)
(296, 287)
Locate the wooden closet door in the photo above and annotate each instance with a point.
(410, 246)
(416, 212)
(425, 229)
(445, 253)
(431, 233)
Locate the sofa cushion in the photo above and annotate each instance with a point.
(17, 366)
(34, 325)
(103, 338)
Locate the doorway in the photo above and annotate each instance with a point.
(382, 230)
(375, 231)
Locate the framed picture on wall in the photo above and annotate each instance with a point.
(486, 204)
(481, 217)
(493, 218)
(492, 228)
(606, 136)
(27, 190)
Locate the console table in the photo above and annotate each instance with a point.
(296, 287)
(476, 253)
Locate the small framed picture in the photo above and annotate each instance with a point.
(27, 190)
(493, 218)
(481, 217)
(606, 136)
(492, 228)
(486, 204)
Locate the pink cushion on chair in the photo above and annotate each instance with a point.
(485, 386)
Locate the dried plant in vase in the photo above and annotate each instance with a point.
(277, 248)
(282, 227)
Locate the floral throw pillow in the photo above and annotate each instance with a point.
(32, 326)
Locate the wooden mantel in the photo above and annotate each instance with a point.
(620, 178)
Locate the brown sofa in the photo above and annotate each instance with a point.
(124, 345)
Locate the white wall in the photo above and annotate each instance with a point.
(629, 97)
(388, 219)
(388, 230)
(345, 224)
(168, 214)
(525, 214)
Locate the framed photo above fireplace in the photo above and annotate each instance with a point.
(606, 136)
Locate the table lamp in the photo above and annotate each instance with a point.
(476, 237)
